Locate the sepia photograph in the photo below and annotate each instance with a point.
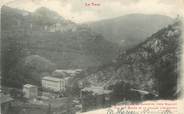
(91, 57)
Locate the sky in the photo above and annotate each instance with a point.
(79, 12)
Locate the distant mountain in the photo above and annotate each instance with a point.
(151, 66)
(131, 29)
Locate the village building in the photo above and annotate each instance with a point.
(30, 91)
(95, 97)
(67, 75)
(6, 103)
(54, 84)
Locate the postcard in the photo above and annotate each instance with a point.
(92, 57)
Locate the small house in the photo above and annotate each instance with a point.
(95, 97)
(30, 91)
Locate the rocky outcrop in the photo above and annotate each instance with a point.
(151, 66)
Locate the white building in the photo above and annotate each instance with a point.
(30, 91)
(53, 83)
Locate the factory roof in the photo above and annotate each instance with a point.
(29, 85)
(5, 98)
(49, 78)
(140, 91)
(71, 72)
(97, 90)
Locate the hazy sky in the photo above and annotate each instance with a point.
(77, 11)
